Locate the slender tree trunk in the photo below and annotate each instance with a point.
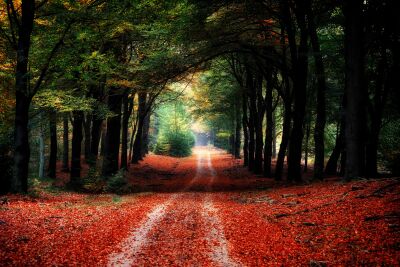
(41, 149)
(127, 111)
(273, 135)
(137, 145)
(51, 169)
(237, 129)
(268, 129)
(145, 135)
(251, 123)
(113, 135)
(19, 182)
(65, 159)
(320, 121)
(258, 123)
(134, 130)
(97, 123)
(332, 164)
(245, 129)
(355, 91)
(308, 130)
(285, 138)
(77, 136)
(87, 130)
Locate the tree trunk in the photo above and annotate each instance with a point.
(41, 148)
(245, 129)
(308, 129)
(300, 69)
(113, 135)
(332, 164)
(237, 129)
(65, 159)
(145, 135)
(77, 136)
(273, 135)
(51, 169)
(259, 112)
(268, 129)
(137, 145)
(284, 142)
(127, 111)
(320, 121)
(355, 91)
(87, 130)
(19, 181)
(97, 123)
(251, 124)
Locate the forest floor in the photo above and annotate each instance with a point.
(206, 210)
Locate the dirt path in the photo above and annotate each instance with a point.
(185, 230)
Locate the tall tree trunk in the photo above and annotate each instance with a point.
(41, 148)
(273, 135)
(300, 69)
(145, 135)
(308, 130)
(51, 169)
(245, 129)
(96, 130)
(320, 121)
(237, 129)
(65, 158)
(19, 181)
(284, 141)
(134, 130)
(77, 136)
(137, 145)
(355, 91)
(113, 135)
(252, 114)
(258, 123)
(268, 129)
(87, 130)
(127, 111)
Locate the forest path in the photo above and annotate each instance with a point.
(185, 230)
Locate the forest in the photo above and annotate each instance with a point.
(252, 133)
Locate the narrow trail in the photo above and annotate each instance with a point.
(185, 230)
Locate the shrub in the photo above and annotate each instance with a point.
(93, 182)
(176, 144)
(118, 183)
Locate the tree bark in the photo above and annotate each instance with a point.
(268, 129)
(137, 145)
(355, 91)
(320, 121)
(87, 130)
(127, 111)
(19, 181)
(300, 68)
(77, 136)
(245, 129)
(258, 123)
(238, 129)
(65, 158)
(113, 135)
(51, 169)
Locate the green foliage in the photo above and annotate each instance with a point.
(175, 137)
(118, 183)
(93, 182)
(176, 144)
(389, 148)
(222, 140)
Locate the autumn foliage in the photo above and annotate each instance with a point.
(265, 223)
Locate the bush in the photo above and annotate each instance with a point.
(222, 141)
(93, 182)
(176, 144)
(118, 183)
